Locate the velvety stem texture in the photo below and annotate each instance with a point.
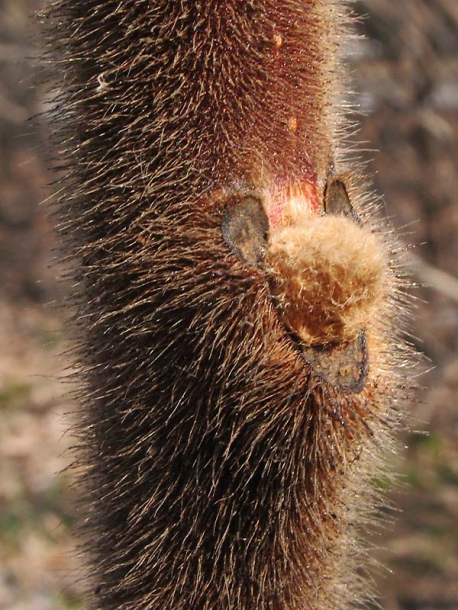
(234, 303)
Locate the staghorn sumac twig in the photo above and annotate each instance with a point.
(237, 303)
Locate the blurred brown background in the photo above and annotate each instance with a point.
(406, 75)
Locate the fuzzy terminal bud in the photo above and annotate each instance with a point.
(329, 275)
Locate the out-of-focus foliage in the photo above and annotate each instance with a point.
(406, 72)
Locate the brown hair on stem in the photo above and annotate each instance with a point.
(236, 303)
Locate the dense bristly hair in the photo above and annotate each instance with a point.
(224, 466)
